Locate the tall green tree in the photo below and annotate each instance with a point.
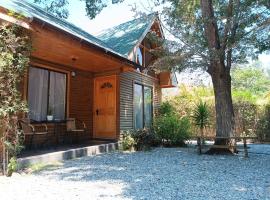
(214, 35)
(251, 79)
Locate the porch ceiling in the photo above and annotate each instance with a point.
(56, 46)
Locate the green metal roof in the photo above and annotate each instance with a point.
(32, 11)
(124, 37)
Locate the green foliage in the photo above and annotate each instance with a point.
(140, 139)
(15, 49)
(166, 108)
(127, 141)
(244, 96)
(56, 7)
(172, 130)
(263, 125)
(201, 115)
(94, 7)
(247, 115)
(144, 139)
(12, 166)
(250, 80)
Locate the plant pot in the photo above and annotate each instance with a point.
(49, 117)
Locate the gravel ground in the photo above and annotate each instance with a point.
(174, 173)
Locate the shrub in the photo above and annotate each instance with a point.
(201, 116)
(263, 125)
(140, 139)
(166, 108)
(127, 141)
(12, 166)
(144, 139)
(172, 130)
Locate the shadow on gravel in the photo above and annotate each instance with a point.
(173, 174)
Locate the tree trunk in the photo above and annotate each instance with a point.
(220, 75)
(221, 80)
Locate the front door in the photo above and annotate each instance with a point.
(105, 95)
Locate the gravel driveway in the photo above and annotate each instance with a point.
(171, 173)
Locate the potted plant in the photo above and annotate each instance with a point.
(50, 114)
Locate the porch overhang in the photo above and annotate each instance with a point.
(57, 46)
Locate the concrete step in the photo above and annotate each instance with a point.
(72, 153)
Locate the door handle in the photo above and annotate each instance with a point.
(97, 111)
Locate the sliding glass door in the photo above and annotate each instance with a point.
(143, 106)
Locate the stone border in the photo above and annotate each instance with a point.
(66, 155)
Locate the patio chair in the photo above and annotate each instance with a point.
(32, 130)
(75, 129)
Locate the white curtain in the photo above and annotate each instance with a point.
(37, 93)
(57, 96)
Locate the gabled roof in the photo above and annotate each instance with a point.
(124, 37)
(31, 11)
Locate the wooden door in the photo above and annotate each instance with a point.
(105, 116)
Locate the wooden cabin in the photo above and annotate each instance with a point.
(99, 80)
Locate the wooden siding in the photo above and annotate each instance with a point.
(81, 100)
(127, 80)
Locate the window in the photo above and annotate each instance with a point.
(143, 106)
(46, 94)
(139, 56)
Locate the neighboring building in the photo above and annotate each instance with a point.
(100, 80)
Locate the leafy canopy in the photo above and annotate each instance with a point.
(55, 7)
(252, 79)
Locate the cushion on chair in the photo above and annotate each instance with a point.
(71, 125)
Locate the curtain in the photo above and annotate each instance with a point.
(138, 106)
(148, 106)
(37, 93)
(57, 96)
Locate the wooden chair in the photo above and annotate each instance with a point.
(75, 128)
(32, 130)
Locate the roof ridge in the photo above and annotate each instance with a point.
(133, 20)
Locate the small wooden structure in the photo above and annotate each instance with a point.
(231, 146)
(167, 79)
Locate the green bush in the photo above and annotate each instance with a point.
(166, 108)
(140, 139)
(263, 125)
(12, 166)
(172, 130)
(144, 139)
(127, 141)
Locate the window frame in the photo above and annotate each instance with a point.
(50, 69)
(143, 105)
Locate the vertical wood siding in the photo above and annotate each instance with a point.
(81, 100)
(127, 80)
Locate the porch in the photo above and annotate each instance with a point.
(60, 153)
